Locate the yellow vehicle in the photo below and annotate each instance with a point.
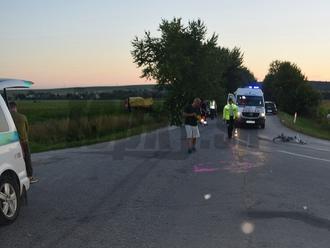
(138, 103)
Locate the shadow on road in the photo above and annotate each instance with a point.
(306, 218)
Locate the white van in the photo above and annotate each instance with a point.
(251, 106)
(14, 181)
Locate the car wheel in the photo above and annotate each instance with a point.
(9, 200)
(263, 126)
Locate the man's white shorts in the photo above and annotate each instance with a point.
(192, 131)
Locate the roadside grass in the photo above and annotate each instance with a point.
(45, 110)
(307, 126)
(326, 104)
(119, 134)
(62, 124)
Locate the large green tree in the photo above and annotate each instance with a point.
(288, 87)
(187, 64)
(235, 74)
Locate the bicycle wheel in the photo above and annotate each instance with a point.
(278, 140)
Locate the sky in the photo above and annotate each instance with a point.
(65, 43)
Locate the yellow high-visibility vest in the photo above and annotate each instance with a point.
(230, 110)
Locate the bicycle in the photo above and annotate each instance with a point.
(283, 139)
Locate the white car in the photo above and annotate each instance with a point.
(14, 181)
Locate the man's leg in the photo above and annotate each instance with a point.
(189, 138)
(27, 158)
(230, 128)
(193, 147)
(196, 135)
(189, 144)
(212, 113)
(231, 124)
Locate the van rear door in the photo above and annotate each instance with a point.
(6, 83)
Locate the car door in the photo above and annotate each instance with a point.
(11, 157)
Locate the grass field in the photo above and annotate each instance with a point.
(310, 126)
(61, 124)
(326, 104)
(41, 111)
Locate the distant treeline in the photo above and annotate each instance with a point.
(85, 94)
(112, 93)
(322, 87)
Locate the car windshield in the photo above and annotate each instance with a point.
(250, 101)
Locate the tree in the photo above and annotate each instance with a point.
(246, 77)
(288, 87)
(187, 64)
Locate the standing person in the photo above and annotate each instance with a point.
(203, 107)
(213, 109)
(230, 114)
(191, 114)
(22, 126)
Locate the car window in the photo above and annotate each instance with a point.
(3, 122)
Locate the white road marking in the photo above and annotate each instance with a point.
(304, 156)
(317, 149)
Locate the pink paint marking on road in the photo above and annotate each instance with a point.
(203, 169)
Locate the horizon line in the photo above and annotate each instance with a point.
(139, 84)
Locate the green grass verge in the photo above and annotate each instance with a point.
(45, 110)
(36, 147)
(326, 104)
(59, 124)
(306, 126)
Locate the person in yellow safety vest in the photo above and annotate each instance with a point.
(230, 114)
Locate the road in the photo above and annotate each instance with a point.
(147, 191)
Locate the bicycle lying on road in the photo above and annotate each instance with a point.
(283, 139)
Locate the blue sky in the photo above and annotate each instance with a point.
(87, 42)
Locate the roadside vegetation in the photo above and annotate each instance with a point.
(188, 62)
(319, 128)
(61, 124)
(288, 87)
(326, 106)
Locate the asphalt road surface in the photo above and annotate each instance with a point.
(147, 191)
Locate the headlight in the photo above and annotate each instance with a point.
(262, 114)
(239, 114)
